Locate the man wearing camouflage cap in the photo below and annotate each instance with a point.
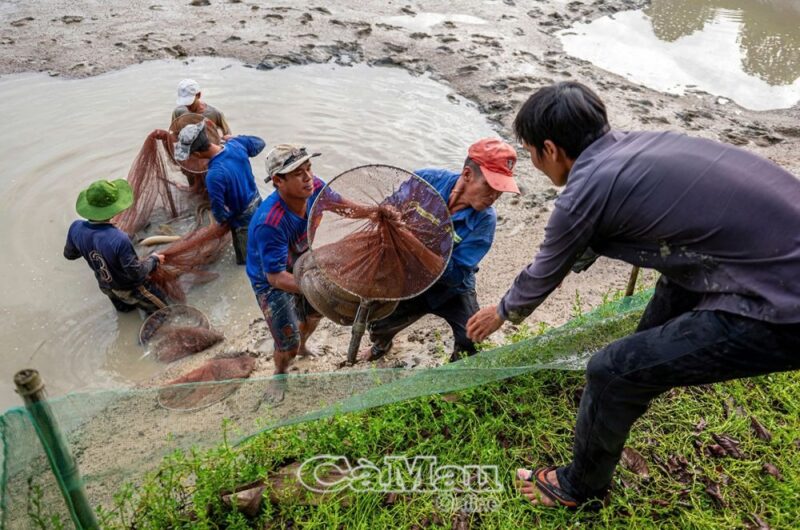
(230, 182)
(276, 238)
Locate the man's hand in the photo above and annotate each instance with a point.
(483, 323)
(227, 137)
(161, 258)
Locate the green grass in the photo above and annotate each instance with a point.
(523, 421)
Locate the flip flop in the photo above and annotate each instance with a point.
(550, 490)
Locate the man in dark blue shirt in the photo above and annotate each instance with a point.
(108, 250)
(718, 222)
(277, 237)
(469, 194)
(230, 182)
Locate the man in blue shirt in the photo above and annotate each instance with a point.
(230, 182)
(719, 223)
(277, 237)
(487, 173)
(108, 250)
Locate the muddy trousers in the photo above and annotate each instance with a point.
(239, 234)
(674, 346)
(456, 310)
(147, 297)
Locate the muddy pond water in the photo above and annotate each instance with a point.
(63, 134)
(744, 50)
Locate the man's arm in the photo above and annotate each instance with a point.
(252, 144)
(70, 250)
(284, 280)
(566, 238)
(216, 194)
(135, 270)
(222, 123)
(273, 255)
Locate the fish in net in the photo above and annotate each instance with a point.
(157, 183)
(187, 397)
(177, 331)
(380, 233)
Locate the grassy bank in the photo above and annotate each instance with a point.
(719, 456)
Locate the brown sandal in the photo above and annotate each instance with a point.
(550, 490)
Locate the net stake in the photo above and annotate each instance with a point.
(30, 387)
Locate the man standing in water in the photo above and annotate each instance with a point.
(230, 182)
(189, 101)
(277, 237)
(486, 174)
(727, 304)
(108, 250)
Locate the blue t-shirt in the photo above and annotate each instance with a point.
(276, 238)
(110, 254)
(230, 181)
(474, 236)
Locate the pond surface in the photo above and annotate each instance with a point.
(745, 50)
(67, 133)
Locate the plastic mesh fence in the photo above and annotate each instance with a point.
(117, 436)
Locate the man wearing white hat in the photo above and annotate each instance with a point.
(189, 101)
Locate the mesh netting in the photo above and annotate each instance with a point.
(175, 332)
(221, 374)
(160, 183)
(118, 436)
(393, 244)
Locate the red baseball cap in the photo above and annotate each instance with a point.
(496, 160)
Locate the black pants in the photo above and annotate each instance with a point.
(147, 297)
(456, 310)
(673, 346)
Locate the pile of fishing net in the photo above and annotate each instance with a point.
(211, 383)
(160, 183)
(175, 332)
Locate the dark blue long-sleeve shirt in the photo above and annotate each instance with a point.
(474, 234)
(109, 253)
(715, 219)
(230, 182)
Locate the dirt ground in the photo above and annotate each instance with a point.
(496, 65)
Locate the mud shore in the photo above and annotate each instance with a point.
(495, 62)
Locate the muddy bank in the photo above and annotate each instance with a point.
(495, 53)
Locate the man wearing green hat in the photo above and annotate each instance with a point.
(120, 274)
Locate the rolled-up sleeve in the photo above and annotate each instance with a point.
(252, 144)
(567, 235)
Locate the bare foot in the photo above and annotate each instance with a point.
(526, 484)
(275, 391)
(367, 355)
(305, 352)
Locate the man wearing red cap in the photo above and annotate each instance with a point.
(487, 172)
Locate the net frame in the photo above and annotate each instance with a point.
(320, 200)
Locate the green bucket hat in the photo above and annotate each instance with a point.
(103, 199)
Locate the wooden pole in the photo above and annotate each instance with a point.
(632, 281)
(31, 388)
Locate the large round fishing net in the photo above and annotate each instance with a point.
(175, 332)
(380, 233)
